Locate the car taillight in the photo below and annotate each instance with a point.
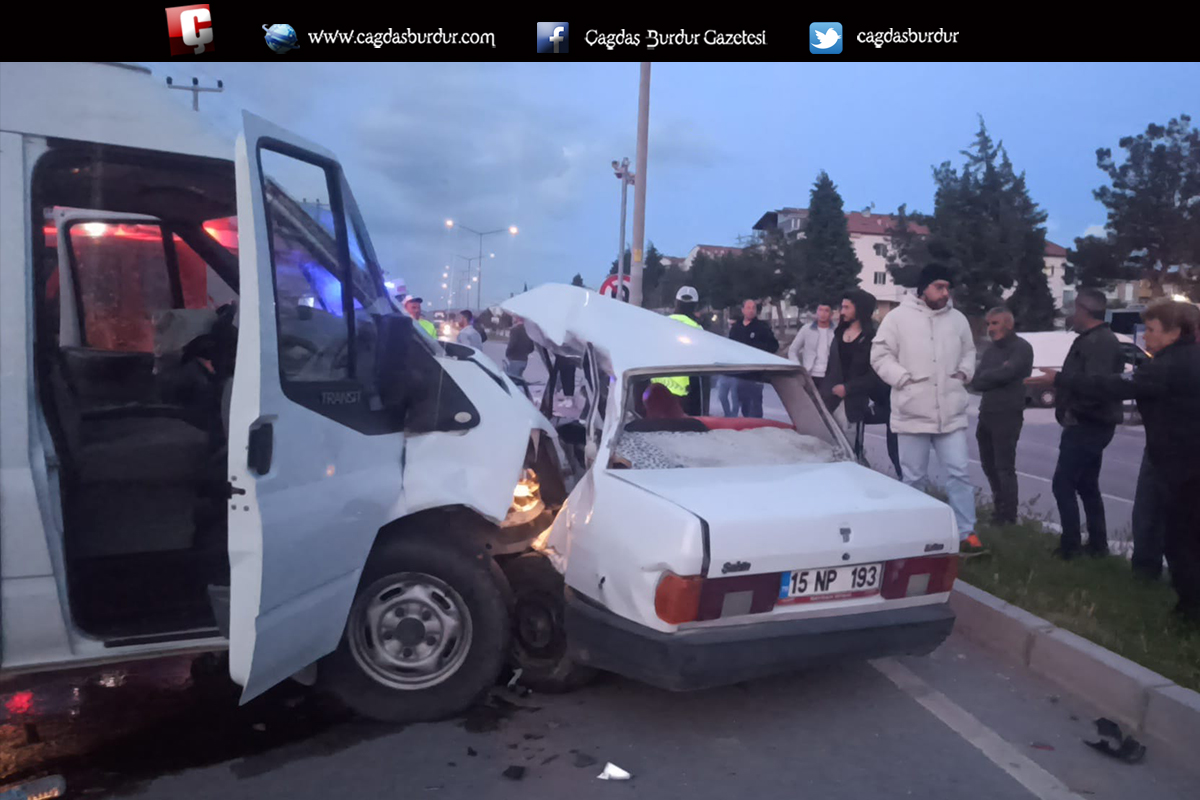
(913, 577)
(677, 599)
(739, 595)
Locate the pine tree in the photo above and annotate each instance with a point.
(830, 265)
(1031, 303)
(990, 233)
(908, 250)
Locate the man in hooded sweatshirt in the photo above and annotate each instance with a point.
(924, 350)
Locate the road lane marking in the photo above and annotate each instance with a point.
(1000, 752)
(1031, 476)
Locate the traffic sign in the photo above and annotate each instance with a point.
(609, 287)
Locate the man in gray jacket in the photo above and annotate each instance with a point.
(810, 348)
(1000, 377)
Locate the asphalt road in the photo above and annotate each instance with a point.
(956, 724)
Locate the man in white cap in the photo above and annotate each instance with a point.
(686, 300)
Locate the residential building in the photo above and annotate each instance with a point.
(870, 236)
(710, 250)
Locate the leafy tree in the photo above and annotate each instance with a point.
(577, 280)
(1153, 203)
(1094, 263)
(830, 265)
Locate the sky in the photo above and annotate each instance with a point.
(530, 145)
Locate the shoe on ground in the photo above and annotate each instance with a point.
(971, 546)
(1066, 553)
(1096, 552)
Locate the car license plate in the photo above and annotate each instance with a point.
(830, 583)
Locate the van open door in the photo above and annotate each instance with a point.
(314, 458)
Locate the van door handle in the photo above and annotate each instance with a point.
(261, 448)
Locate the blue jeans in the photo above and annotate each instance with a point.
(749, 395)
(514, 369)
(727, 387)
(951, 449)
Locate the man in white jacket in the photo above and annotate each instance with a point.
(924, 350)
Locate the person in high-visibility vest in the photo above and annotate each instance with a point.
(686, 300)
(412, 305)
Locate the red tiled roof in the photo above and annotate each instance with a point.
(717, 248)
(878, 224)
(1053, 249)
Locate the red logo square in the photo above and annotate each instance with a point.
(190, 30)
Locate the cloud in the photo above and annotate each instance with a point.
(1095, 230)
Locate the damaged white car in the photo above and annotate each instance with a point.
(699, 550)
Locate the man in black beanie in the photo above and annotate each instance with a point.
(925, 351)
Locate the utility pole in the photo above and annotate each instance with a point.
(621, 169)
(196, 89)
(639, 189)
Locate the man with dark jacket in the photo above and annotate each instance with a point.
(1088, 422)
(520, 347)
(1167, 391)
(1000, 377)
(757, 333)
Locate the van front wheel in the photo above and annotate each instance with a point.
(426, 636)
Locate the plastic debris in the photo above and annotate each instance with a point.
(1112, 742)
(514, 773)
(512, 682)
(613, 773)
(40, 789)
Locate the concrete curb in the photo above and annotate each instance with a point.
(1127, 692)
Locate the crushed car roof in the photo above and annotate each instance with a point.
(568, 318)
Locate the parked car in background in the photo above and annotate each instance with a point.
(1050, 350)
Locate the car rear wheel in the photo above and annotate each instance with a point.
(1046, 398)
(539, 635)
(426, 636)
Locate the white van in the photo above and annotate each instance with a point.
(1050, 350)
(215, 428)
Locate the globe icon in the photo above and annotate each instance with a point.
(281, 38)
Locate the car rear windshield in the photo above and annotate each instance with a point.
(724, 420)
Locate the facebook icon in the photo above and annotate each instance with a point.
(552, 37)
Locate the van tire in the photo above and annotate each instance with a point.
(445, 575)
(539, 636)
(1046, 398)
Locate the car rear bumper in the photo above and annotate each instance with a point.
(699, 659)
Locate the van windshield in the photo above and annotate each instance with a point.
(724, 419)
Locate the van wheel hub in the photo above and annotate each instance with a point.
(410, 631)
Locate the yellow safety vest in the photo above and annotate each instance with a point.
(427, 326)
(678, 385)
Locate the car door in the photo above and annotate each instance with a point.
(315, 461)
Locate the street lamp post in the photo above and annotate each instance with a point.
(639, 192)
(621, 170)
(511, 230)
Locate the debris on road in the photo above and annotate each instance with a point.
(613, 773)
(514, 773)
(584, 760)
(471, 752)
(40, 789)
(1112, 742)
(548, 759)
(512, 682)
(1041, 746)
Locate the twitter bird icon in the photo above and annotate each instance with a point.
(825, 38)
